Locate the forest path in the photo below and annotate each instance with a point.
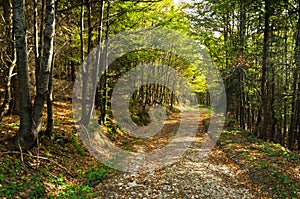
(214, 176)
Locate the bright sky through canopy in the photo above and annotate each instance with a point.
(178, 1)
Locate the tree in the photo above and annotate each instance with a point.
(9, 101)
(294, 131)
(24, 134)
(257, 53)
(31, 116)
(264, 84)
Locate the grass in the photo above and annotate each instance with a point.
(36, 183)
(62, 171)
(75, 142)
(94, 177)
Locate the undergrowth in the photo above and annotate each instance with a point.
(270, 165)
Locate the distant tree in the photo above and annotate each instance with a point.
(294, 130)
(258, 55)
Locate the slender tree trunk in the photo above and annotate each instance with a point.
(73, 68)
(240, 69)
(25, 135)
(90, 28)
(258, 123)
(14, 102)
(45, 73)
(82, 31)
(36, 38)
(50, 118)
(39, 42)
(105, 59)
(84, 70)
(9, 61)
(101, 63)
(4, 109)
(297, 61)
(298, 116)
(226, 30)
(285, 115)
(272, 104)
(264, 94)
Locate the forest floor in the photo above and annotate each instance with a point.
(239, 166)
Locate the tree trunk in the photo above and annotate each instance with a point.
(264, 95)
(273, 105)
(82, 31)
(25, 135)
(4, 109)
(9, 60)
(39, 42)
(50, 119)
(101, 63)
(31, 119)
(36, 38)
(90, 28)
(295, 102)
(285, 115)
(43, 86)
(240, 69)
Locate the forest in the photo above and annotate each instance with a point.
(150, 99)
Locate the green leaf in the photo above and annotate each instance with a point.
(286, 180)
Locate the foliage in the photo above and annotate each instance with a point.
(72, 191)
(94, 177)
(79, 149)
(233, 32)
(270, 165)
(36, 185)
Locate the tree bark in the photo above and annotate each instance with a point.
(50, 119)
(264, 95)
(45, 73)
(101, 62)
(25, 135)
(240, 65)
